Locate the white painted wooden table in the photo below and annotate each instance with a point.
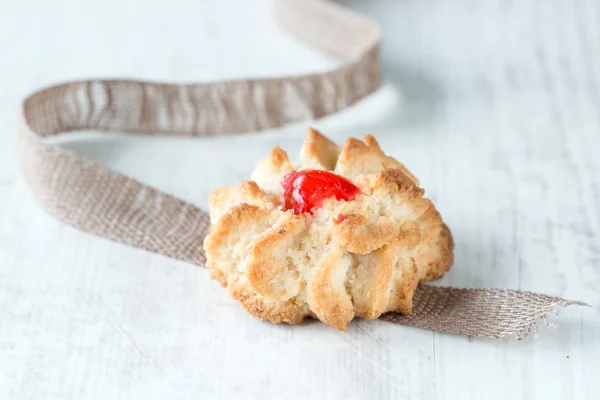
(495, 105)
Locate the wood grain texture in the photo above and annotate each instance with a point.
(494, 105)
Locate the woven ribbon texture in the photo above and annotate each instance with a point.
(98, 200)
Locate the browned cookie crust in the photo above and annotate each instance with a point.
(358, 258)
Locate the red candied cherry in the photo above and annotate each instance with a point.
(306, 190)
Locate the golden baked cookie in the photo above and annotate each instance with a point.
(337, 257)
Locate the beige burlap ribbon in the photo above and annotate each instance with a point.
(95, 199)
